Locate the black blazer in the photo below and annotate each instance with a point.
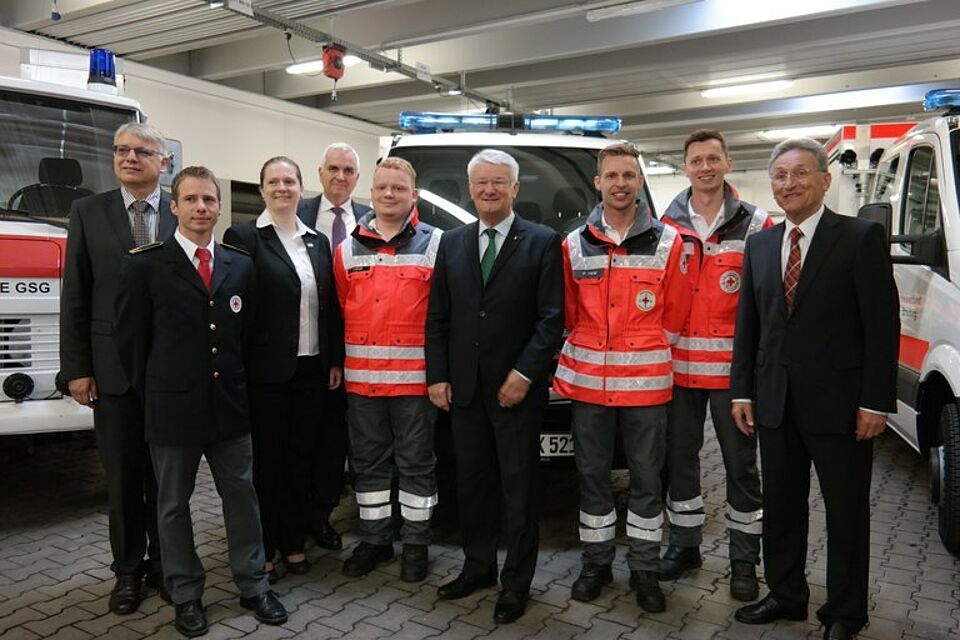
(836, 350)
(476, 334)
(277, 326)
(184, 349)
(309, 209)
(98, 239)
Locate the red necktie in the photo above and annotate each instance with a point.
(206, 273)
(791, 276)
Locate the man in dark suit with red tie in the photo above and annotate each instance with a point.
(102, 228)
(814, 372)
(184, 329)
(334, 214)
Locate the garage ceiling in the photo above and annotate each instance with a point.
(850, 61)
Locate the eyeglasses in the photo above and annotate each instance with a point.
(122, 151)
(499, 183)
(799, 175)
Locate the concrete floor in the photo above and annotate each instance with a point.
(55, 577)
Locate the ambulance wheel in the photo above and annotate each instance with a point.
(947, 467)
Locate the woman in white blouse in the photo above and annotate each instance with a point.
(296, 351)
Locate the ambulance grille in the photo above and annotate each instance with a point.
(29, 343)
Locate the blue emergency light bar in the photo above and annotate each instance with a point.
(423, 122)
(102, 68)
(941, 99)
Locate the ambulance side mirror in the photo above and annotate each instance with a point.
(880, 212)
(926, 249)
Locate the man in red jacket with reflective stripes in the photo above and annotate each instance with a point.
(383, 275)
(625, 302)
(714, 225)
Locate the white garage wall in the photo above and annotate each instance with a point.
(230, 131)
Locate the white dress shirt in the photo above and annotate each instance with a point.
(151, 217)
(808, 227)
(703, 228)
(326, 216)
(502, 228)
(190, 249)
(295, 246)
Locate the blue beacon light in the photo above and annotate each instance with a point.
(941, 99)
(425, 122)
(102, 68)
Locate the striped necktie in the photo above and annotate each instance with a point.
(791, 276)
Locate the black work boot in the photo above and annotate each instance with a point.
(649, 596)
(365, 558)
(678, 560)
(593, 577)
(413, 563)
(743, 581)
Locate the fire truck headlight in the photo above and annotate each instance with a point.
(18, 386)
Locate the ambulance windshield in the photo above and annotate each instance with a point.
(52, 151)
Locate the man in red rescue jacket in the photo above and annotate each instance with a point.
(383, 275)
(714, 225)
(625, 302)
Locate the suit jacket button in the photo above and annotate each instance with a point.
(213, 327)
(211, 303)
(483, 314)
(216, 375)
(213, 351)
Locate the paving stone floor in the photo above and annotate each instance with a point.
(55, 577)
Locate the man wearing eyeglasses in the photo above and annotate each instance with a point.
(814, 374)
(103, 227)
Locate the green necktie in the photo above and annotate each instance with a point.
(489, 255)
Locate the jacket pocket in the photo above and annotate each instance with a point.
(726, 292)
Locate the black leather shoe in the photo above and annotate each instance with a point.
(413, 563)
(126, 594)
(768, 610)
(678, 560)
(298, 568)
(266, 608)
(838, 631)
(743, 581)
(650, 597)
(191, 621)
(593, 577)
(327, 537)
(365, 558)
(510, 606)
(463, 585)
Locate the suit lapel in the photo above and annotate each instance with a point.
(119, 221)
(168, 221)
(313, 250)
(824, 238)
(514, 238)
(272, 240)
(773, 256)
(471, 249)
(183, 266)
(221, 268)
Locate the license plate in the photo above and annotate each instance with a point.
(556, 445)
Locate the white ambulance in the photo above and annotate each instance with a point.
(558, 161)
(56, 145)
(915, 194)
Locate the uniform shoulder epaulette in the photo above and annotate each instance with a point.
(145, 247)
(235, 248)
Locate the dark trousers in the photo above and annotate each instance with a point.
(131, 484)
(285, 426)
(498, 455)
(843, 467)
(644, 443)
(686, 415)
(329, 456)
(231, 464)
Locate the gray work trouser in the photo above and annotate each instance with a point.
(644, 440)
(231, 464)
(390, 432)
(686, 415)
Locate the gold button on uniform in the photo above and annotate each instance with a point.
(213, 350)
(213, 327)
(211, 303)
(216, 374)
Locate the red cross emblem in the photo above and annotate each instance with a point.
(646, 300)
(730, 281)
(236, 304)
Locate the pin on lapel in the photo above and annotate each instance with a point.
(310, 245)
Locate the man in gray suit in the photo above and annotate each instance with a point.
(103, 227)
(334, 214)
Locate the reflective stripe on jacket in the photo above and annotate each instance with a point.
(383, 288)
(702, 355)
(624, 305)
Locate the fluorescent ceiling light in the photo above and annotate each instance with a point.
(659, 170)
(819, 131)
(316, 66)
(453, 91)
(746, 89)
(633, 8)
(214, 4)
